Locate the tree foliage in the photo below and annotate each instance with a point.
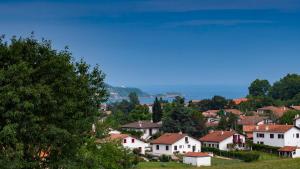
(156, 111)
(259, 88)
(286, 88)
(288, 117)
(47, 105)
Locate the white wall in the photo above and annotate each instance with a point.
(197, 161)
(223, 144)
(182, 147)
(297, 154)
(146, 132)
(137, 144)
(289, 139)
(297, 122)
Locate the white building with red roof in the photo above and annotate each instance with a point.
(289, 151)
(223, 140)
(197, 159)
(129, 142)
(277, 135)
(170, 143)
(148, 128)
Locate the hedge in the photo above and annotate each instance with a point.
(265, 148)
(242, 155)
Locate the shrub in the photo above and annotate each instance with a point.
(164, 158)
(265, 148)
(242, 155)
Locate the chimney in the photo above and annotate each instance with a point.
(222, 132)
(140, 124)
(94, 128)
(210, 131)
(180, 132)
(257, 127)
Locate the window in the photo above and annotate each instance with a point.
(189, 146)
(271, 135)
(261, 142)
(280, 136)
(157, 147)
(167, 148)
(186, 139)
(124, 141)
(297, 135)
(180, 146)
(132, 140)
(260, 135)
(217, 145)
(175, 147)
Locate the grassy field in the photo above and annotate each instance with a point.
(266, 161)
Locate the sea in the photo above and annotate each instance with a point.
(194, 92)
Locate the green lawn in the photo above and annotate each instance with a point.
(269, 162)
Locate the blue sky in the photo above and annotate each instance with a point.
(168, 42)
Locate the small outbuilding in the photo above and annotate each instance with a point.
(289, 151)
(197, 159)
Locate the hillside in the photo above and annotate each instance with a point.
(121, 92)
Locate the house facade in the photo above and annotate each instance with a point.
(130, 142)
(146, 127)
(170, 143)
(277, 135)
(289, 151)
(223, 140)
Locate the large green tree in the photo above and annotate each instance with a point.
(47, 105)
(156, 111)
(288, 117)
(259, 88)
(286, 88)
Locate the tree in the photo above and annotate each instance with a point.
(47, 105)
(259, 88)
(288, 117)
(140, 112)
(156, 111)
(286, 88)
(179, 118)
(133, 99)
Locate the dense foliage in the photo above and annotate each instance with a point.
(157, 111)
(215, 103)
(178, 118)
(242, 155)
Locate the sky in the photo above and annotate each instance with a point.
(167, 42)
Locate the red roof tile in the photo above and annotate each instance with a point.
(234, 111)
(250, 120)
(278, 111)
(210, 113)
(196, 154)
(296, 107)
(118, 136)
(249, 128)
(239, 100)
(217, 136)
(288, 149)
(168, 138)
(273, 128)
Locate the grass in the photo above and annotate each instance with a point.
(267, 161)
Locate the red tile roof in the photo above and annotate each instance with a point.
(142, 125)
(288, 149)
(248, 128)
(217, 136)
(234, 111)
(212, 124)
(196, 154)
(210, 113)
(273, 128)
(239, 100)
(278, 111)
(118, 136)
(250, 120)
(296, 107)
(168, 138)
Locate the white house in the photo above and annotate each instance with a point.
(170, 143)
(130, 142)
(277, 135)
(197, 159)
(297, 121)
(289, 151)
(148, 128)
(223, 140)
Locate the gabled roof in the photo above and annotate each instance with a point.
(288, 149)
(278, 111)
(118, 136)
(273, 128)
(239, 100)
(296, 107)
(217, 136)
(142, 125)
(168, 138)
(210, 113)
(196, 154)
(248, 128)
(250, 120)
(234, 111)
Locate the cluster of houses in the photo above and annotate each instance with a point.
(258, 128)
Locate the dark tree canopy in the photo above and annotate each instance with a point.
(156, 111)
(286, 88)
(259, 88)
(47, 105)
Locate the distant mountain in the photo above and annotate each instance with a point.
(123, 92)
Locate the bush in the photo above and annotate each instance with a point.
(265, 148)
(242, 155)
(164, 158)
